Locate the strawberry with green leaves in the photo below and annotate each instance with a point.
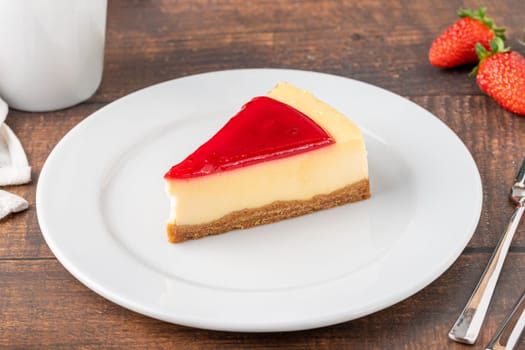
(456, 45)
(501, 75)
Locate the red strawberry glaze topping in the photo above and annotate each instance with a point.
(263, 130)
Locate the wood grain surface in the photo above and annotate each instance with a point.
(380, 42)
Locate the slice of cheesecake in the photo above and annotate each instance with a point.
(283, 155)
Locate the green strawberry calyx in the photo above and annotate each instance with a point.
(497, 45)
(479, 16)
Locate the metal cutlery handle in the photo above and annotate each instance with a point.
(468, 325)
(509, 333)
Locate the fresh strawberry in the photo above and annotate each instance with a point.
(501, 75)
(456, 45)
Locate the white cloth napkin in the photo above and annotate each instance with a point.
(14, 168)
(11, 203)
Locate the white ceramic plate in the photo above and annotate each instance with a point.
(102, 210)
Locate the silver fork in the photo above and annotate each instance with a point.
(468, 325)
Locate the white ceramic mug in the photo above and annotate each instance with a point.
(51, 52)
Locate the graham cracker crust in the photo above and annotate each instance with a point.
(272, 212)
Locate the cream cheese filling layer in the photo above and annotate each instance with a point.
(203, 199)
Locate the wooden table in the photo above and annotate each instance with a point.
(380, 42)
